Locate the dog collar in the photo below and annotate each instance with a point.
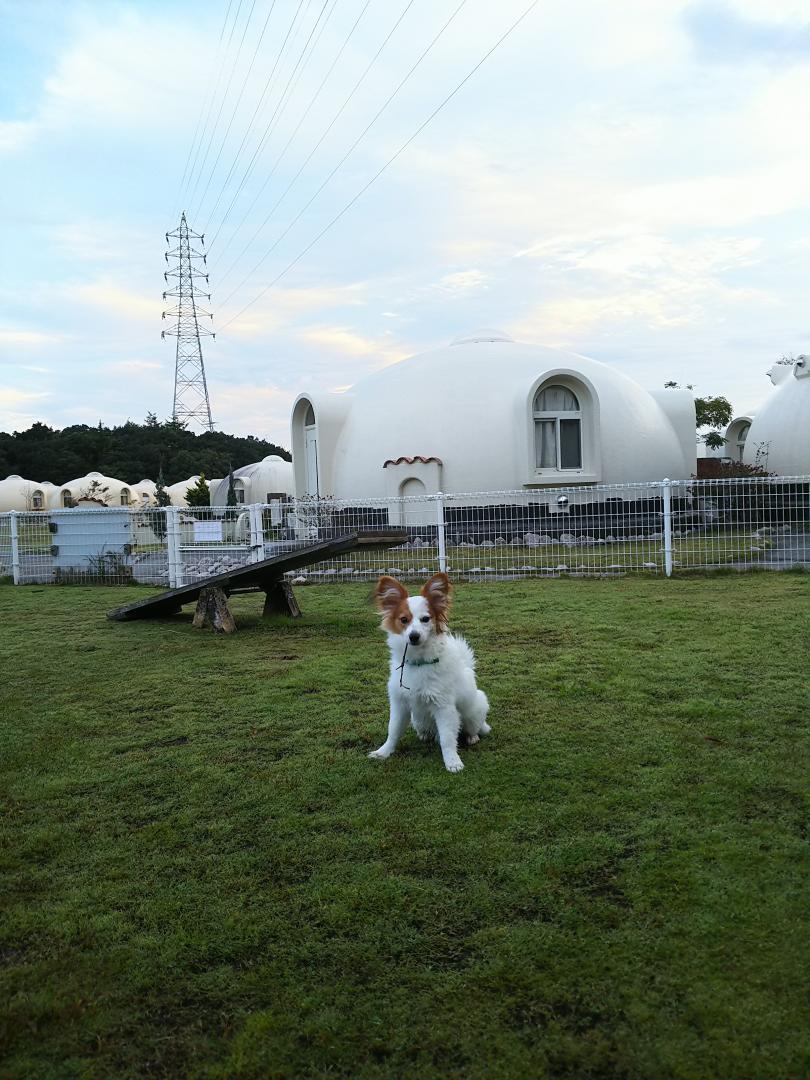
(422, 663)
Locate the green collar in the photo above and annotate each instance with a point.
(422, 663)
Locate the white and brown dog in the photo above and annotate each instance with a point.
(432, 680)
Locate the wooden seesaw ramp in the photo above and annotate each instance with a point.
(267, 576)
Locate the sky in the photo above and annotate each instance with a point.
(627, 181)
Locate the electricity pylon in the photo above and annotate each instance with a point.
(191, 403)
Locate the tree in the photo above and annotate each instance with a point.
(710, 412)
(162, 497)
(129, 451)
(231, 500)
(95, 492)
(198, 494)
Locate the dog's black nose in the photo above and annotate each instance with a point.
(414, 638)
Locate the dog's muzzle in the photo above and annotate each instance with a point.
(414, 637)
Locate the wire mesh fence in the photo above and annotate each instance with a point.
(656, 528)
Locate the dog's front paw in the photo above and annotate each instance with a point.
(454, 765)
(380, 754)
(471, 740)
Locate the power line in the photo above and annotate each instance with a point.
(267, 86)
(211, 101)
(351, 150)
(297, 128)
(202, 110)
(227, 13)
(315, 148)
(281, 104)
(238, 102)
(224, 99)
(381, 170)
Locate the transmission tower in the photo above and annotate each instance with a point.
(191, 402)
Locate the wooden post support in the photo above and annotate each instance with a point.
(212, 610)
(280, 600)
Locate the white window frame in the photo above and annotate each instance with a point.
(590, 470)
(556, 416)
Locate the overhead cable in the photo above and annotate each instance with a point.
(238, 102)
(289, 141)
(280, 105)
(206, 102)
(269, 84)
(223, 100)
(348, 153)
(381, 170)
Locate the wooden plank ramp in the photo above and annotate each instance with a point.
(266, 576)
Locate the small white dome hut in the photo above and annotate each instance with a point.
(17, 493)
(177, 492)
(143, 493)
(779, 435)
(265, 481)
(92, 490)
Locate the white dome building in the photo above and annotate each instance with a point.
(265, 481)
(489, 414)
(143, 493)
(177, 492)
(778, 437)
(19, 494)
(92, 489)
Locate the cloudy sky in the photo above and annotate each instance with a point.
(628, 180)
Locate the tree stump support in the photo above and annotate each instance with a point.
(212, 610)
(279, 599)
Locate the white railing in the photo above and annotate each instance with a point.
(664, 528)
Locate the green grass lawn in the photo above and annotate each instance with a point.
(205, 877)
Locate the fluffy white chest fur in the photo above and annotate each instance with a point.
(432, 681)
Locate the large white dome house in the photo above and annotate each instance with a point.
(487, 413)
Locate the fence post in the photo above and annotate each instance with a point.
(173, 546)
(15, 549)
(255, 510)
(440, 532)
(666, 492)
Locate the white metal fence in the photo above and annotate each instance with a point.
(658, 528)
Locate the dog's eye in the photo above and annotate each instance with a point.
(425, 618)
(403, 619)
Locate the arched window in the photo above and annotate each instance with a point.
(309, 419)
(742, 435)
(125, 496)
(37, 500)
(557, 428)
(239, 489)
(67, 498)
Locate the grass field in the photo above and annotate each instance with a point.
(204, 876)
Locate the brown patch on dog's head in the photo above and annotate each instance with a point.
(436, 591)
(391, 598)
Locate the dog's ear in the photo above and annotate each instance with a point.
(436, 591)
(389, 593)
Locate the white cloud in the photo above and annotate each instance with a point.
(118, 301)
(15, 135)
(27, 337)
(12, 398)
(134, 367)
(463, 281)
(341, 339)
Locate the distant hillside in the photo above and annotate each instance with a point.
(131, 452)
